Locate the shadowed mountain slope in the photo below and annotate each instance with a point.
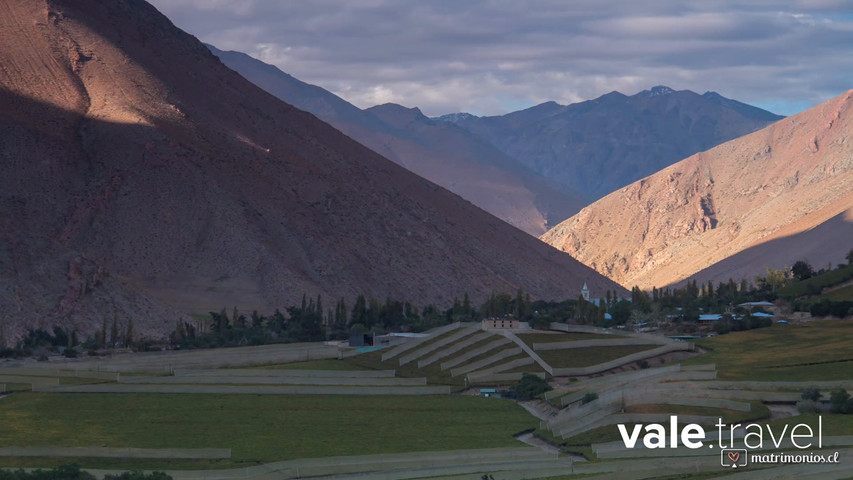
(600, 145)
(438, 151)
(143, 179)
(780, 193)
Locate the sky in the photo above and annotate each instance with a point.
(492, 57)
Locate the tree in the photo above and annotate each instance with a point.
(257, 319)
(466, 305)
(114, 331)
(102, 335)
(850, 257)
(530, 386)
(520, 308)
(812, 394)
(128, 333)
(359, 311)
(139, 476)
(802, 270)
(840, 402)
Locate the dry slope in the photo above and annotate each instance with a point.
(777, 183)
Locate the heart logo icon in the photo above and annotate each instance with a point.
(734, 456)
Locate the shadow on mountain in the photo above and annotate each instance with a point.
(831, 239)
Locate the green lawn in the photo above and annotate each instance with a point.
(258, 428)
(817, 350)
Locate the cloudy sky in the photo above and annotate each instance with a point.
(494, 56)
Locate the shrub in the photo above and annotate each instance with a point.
(809, 406)
(590, 396)
(530, 386)
(812, 394)
(840, 402)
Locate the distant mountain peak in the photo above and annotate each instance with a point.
(656, 91)
(456, 117)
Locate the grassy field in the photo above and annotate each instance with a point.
(257, 428)
(838, 295)
(531, 338)
(584, 357)
(816, 283)
(832, 424)
(323, 364)
(817, 350)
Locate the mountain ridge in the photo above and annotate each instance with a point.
(778, 183)
(600, 145)
(152, 201)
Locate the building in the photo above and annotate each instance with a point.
(493, 323)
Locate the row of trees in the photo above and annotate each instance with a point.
(40, 342)
(311, 321)
(73, 472)
(839, 402)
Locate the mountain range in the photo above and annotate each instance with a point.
(768, 199)
(438, 151)
(601, 145)
(144, 180)
(536, 167)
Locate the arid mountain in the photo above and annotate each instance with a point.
(143, 179)
(438, 151)
(770, 198)
(598, 146)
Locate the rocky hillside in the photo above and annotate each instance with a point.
(764, 200)
(144, 180)
(598, 146)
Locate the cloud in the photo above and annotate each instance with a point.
(489, 56)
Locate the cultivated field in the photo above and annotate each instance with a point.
(816, 350)
(258, 422)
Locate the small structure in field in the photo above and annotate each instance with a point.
(504, 322)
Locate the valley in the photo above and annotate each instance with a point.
(210, 269)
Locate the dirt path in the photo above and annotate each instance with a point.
(540, 409)
(537, 442)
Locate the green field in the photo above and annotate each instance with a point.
(258, 428)
(817, 350)
(531, 338)
(817, 283)
(323, 364)
(839, 294)
(585, 357)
